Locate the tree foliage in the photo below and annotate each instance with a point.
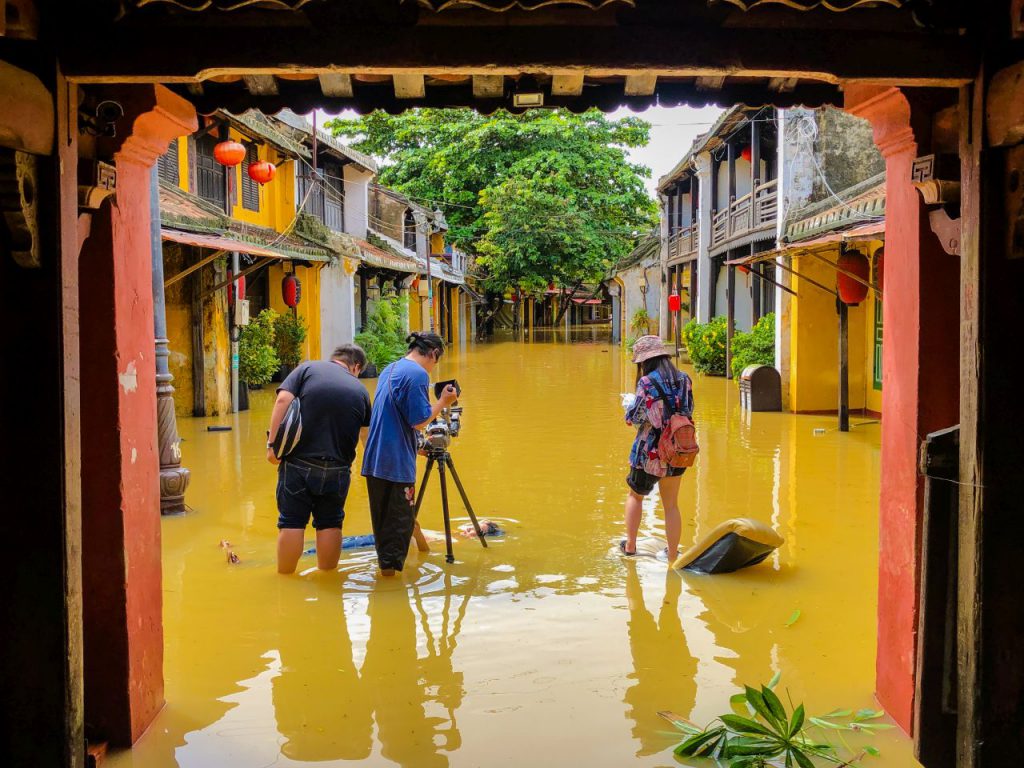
(544, 196)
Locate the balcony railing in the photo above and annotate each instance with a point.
(683, 243)
(754, 211)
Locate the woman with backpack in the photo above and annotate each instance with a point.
(664, 444)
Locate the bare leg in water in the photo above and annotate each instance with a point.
(634, 510)
(668, 487)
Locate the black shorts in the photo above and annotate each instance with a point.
(392, 514)
(311, 488)
(642, 483)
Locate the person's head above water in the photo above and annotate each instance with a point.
(425, 349)
(651, 354)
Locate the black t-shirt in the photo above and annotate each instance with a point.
(334, 408)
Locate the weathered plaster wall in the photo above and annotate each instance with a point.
(216, 341)
(337, 306)
(814, 343)
(633, 298)
(356, 200)
(178, 298)
(744, 307)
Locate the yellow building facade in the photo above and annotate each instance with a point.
(250, 218)
(810, 323)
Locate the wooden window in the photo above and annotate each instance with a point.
(409, 234)
(311, 190)
(334, 200)
(250, 189)
(167, 164)
(211, 176)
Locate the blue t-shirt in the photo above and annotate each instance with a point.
(400, 403)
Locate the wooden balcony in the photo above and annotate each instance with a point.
(754, 212)
(683, 244)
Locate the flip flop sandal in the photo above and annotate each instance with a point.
(622, 549)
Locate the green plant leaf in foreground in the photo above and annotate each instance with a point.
(794, 617)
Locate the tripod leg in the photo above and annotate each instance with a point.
(450, 557)
(423, 486)
(465, 500)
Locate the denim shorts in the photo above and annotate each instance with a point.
(642, 483)
(314, 489)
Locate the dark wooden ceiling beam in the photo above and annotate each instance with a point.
(303, 96)
(151, 55)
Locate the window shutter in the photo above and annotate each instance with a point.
(167, 164)
(250, 189)
(191, 157)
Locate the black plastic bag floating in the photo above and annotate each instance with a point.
(730, 546)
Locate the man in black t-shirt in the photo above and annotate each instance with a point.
(314, 478)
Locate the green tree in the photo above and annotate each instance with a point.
(544, 196)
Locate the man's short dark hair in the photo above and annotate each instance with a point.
(425, 343)
(350, 354)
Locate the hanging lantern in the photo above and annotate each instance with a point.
(747, 154)
(291, 290)
(229, 153)
(851, 291)
(674, 303)
(879, 268)
(262, 172)
(236, 287)
(551, 287)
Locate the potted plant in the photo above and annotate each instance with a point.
(290, 333)
(257, 356)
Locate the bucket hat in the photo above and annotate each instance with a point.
(647, 347)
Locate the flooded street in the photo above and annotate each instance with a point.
(547, 648)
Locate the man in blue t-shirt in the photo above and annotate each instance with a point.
(400, 409)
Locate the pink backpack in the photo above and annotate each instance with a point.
(677, 446)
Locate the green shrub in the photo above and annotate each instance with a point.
(706, 344)
(383, 335)
(257, 358)
(754, 348)
(289, 335)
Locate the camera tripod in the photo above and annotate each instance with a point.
(440, 458)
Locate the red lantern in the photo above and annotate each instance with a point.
(851, 291)
(674, 303)
(291, 290)
(262, 172)
(879, 267)
(747, 154)
(551, 287)
(229, 153)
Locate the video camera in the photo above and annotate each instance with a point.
(438, 434)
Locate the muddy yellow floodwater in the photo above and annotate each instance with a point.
(547, 648)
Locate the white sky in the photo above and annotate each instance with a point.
(673, 129)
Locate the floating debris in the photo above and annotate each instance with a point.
(233, 558)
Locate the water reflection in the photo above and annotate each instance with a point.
(661, 659)
(545, 647)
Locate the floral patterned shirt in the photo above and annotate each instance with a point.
(648, 413)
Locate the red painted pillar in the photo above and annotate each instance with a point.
(123, 632)
(920, 387)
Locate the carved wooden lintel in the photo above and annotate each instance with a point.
(1004, 110)
(18, 206)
